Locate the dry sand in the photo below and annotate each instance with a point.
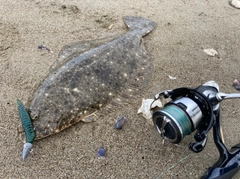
(184, 29)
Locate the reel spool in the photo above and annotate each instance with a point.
(178, 119)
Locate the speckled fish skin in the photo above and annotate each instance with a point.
(113, 71)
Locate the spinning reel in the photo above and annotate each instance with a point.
(197, 110)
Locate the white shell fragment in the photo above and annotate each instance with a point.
(110, 26)
(171, 77)
(211, 52)
(235, 3)
(146, 106)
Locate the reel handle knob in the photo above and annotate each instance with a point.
(198, 146)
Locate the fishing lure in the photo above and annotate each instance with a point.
(28, 129)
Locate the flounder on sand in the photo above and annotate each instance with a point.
(89, 75)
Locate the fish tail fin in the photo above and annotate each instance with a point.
(144, 26)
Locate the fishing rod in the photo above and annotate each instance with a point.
(197, 110)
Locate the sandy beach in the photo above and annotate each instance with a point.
(184, 29)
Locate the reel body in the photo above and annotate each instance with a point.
(197, 110)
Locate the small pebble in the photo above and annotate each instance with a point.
(120, 122)
(101, 152)
(236, 84)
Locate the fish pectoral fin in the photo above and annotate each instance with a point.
(73, 50)
(90, 118)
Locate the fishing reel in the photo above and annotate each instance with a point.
(189, 110)
(197, 111)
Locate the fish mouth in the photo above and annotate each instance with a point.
(34, 114)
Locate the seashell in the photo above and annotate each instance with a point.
(235, 3)
(211, 52)
(236, 84)
(120, 122)
(147, 105)
(171, 77)
(101, 152)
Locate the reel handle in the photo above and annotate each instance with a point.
(222, 96)
(198, 146)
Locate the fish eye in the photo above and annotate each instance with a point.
(35, 117)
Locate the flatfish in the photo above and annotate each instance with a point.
(89, 75)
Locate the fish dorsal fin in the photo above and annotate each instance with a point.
(73, 50)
